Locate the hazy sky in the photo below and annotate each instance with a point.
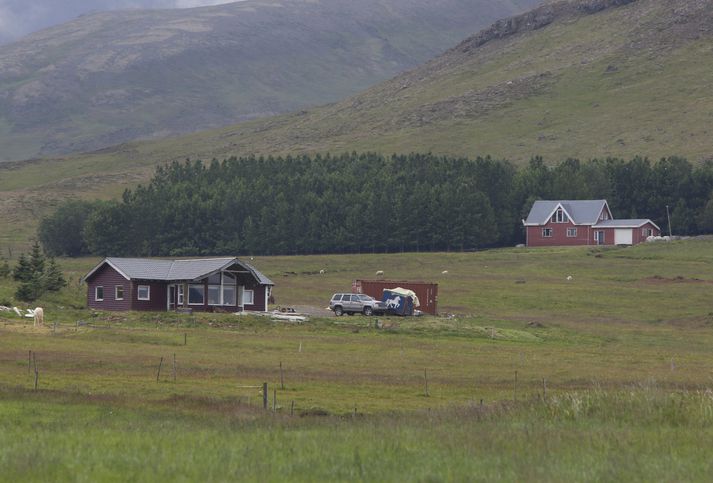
(21, 17)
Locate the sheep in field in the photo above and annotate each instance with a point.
(379, 273)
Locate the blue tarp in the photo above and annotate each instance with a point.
(397, 304)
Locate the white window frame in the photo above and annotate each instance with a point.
(96, 293)
(205, 295)
(148, 292)
(252, 297)
(544, 235)
(571, 233)
(179, 295)
(647, 232)
(116, 292)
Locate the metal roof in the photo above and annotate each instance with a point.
(174, 270)
(631, 223)
(581, 212)
(259, 275)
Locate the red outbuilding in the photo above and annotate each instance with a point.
(582, 222)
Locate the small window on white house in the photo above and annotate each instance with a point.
(547, 232)
(571, 232)
(144, 292)
(119, 292)
(99, 294)
(248, 297)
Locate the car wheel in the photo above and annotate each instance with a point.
(368, 311)
(338, 311)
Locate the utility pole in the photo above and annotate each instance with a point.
(668, 216)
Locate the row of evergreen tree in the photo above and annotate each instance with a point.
(364, 203)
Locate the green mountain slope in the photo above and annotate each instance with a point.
(592, 78)
(587, 78)
(112, 77)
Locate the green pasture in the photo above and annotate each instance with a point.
(525, 375)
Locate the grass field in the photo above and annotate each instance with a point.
(529, 376)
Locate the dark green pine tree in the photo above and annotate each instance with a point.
(23, 270)
(30, 290)
(37, 259)
(53, 277)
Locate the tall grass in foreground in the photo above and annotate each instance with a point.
(637, 434)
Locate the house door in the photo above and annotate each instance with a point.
(599, 237)
(171, 303)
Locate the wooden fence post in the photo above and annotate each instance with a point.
(274, 400)
(282, 379)
(185, 338)
(37, 371)
(29, 361)
(158, 373)
(264, 395)
(425, 379)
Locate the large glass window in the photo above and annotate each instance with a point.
(547, 232)
(196, 294)
(222, 289)
(119, 292)
(248, 297)
(214, 295)
(99, 294)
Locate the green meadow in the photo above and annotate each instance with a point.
(524, 375)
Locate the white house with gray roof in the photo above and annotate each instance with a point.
(201, 284)
(582, 222)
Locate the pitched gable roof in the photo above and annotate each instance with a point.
(630, 223)
(174, 270)
(581, 212)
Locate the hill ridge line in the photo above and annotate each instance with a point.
(535, 19)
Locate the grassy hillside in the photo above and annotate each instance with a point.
(111, 77)
(623, 348)
(568, 79)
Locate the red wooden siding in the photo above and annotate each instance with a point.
(258, 299)
(639, 237)
(585, 235)
(157, 294)
(108, 278)
(559, 236)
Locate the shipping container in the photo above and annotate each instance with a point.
(426, 292)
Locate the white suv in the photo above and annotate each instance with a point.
(355, 303)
